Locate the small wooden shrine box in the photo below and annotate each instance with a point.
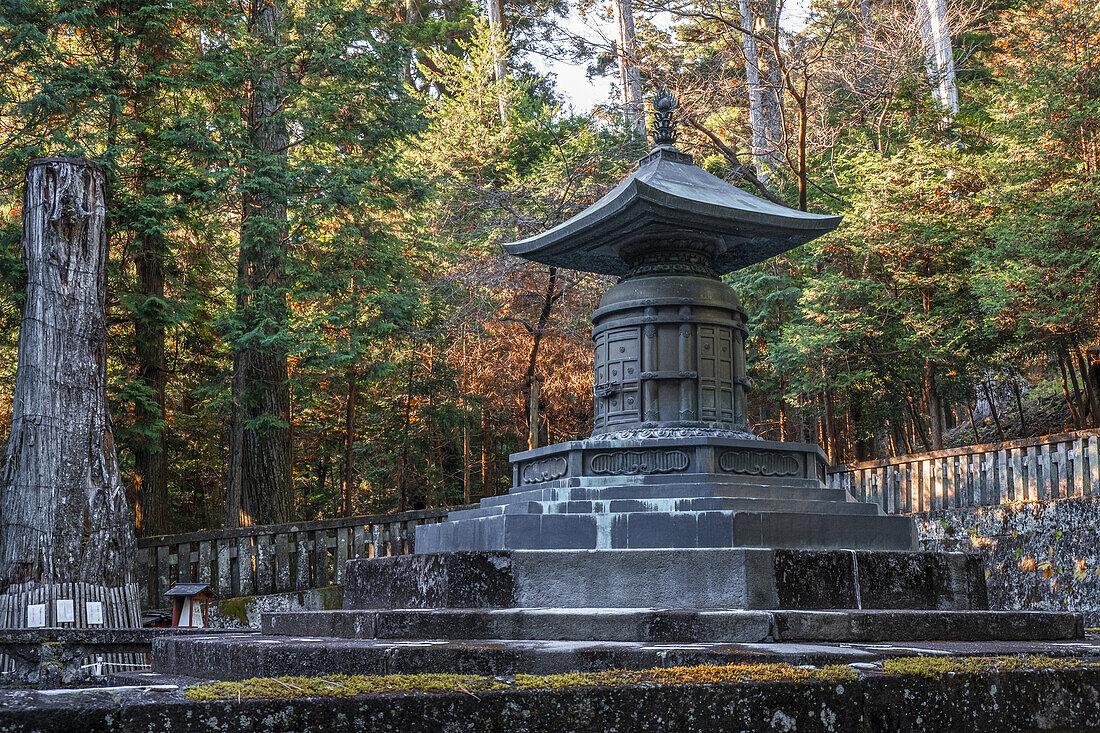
(191, 604)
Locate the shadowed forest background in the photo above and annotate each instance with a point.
(309, 311)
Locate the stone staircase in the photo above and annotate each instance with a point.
(685, 509)
(540, 612)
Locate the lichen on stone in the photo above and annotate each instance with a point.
(697, 675)
(340, 686)
(349, 685)
(935, 667)
(236, 608)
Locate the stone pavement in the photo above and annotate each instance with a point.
(1044, 698)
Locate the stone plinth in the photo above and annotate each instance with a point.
(663, 489)
(698, 579)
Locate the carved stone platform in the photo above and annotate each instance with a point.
(699, 579)
(556, 611)
(669, 488)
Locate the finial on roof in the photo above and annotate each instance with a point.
(664, 129)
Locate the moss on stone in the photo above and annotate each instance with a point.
(341, 686)
(348, 685)
(934, 667)
(332, 597)
(698, 675)
(235, 608)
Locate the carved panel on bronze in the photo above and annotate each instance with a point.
(759, 463)
(546, 469)
(715, 359)
(631, 462)
(618, 369)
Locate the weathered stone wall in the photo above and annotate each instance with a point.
(1037, 555)
(1025, 700)
(244, 612)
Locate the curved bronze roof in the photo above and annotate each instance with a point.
(670, 198)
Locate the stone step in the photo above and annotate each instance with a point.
(659, 479)
(677, 491)
(683, 487)
(720, 579)
(691, 504)
(648, 530)
(572, 624)
(676, 625)
(652, 493)
(234, 657)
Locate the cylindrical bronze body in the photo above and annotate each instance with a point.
(670, 356)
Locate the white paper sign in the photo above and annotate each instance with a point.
(65, 611)
(94, 612)
(36, 615)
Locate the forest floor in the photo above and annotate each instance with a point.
(1045, 413)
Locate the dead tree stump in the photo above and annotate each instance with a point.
(66, 532)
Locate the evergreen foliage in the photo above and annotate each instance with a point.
(309, 310)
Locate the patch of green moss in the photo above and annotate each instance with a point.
(332, 597)
(934, 667)
(235, 608)
(341, 686)
(698, 675)
(348, 685)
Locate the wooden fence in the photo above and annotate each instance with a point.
(272, 558)
(1029, 469)
(293, 557)
(74, 606)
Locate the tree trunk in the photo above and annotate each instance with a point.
(466, 469)
(62, 503)
(403, 485)
(1019, 407)
(973, 422)
(803, 148)
(939, 61)
(486, 453)
(322, 476)
(932, 397)
(349, 442)
(1079, 395)
(993, 411)
(1078, 420)
(530, 382)
(763, 85)
(831, 447)
(533, 414)
(1090, 388)
(262, 415)
(784, 431)
(863, 449)
(150, 318)
(463, 390)
(497, 29)
(629, 77)
(151, 447)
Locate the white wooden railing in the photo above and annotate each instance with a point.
(1029, 469)
(272, 558)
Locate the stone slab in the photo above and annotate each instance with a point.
(669, 492)
(579, 624)
(255, 655)
(1006, 702)
(596, 530)
(678, 490)
(701, 579)
(904, 626)
(678, 625)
